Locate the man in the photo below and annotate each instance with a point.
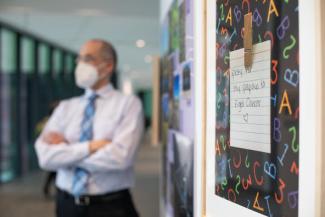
(91, 141)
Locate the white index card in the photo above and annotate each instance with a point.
(250, 96)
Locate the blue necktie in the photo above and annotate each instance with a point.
(81, 176)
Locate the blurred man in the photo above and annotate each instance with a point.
(91, 141)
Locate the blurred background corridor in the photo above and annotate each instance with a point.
(39, 42)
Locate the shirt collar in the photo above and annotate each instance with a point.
(102, 92)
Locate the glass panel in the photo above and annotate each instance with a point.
(8, 107)
(69, 63)
(27, 103)
(8, 51)
(58, 71)
(44, 59)
(44, 81)
(57, 60)
(27, 55)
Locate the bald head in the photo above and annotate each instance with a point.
(101, 49)
(102, 55)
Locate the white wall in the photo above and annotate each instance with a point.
(308, 78)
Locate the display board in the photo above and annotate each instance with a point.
(253, 157)
(177, 109)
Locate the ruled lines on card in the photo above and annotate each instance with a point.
(250, 99)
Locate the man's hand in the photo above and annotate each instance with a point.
(95, 145)
(54, 138)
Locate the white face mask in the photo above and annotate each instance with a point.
(86, 75)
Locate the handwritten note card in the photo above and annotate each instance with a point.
(250, 95)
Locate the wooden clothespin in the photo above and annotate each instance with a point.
(248, 42)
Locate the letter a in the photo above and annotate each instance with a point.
(285, 103)
(272, 9)
(256, 204)
(229, 17)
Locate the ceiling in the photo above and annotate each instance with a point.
(72, 22)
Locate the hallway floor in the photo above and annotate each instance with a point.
(23, 197)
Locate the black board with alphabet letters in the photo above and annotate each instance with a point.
(264, 182)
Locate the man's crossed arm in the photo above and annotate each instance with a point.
(55, 138)
(55, 152)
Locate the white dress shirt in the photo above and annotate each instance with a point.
(118, 118)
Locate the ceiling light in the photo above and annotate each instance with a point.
(140, 43)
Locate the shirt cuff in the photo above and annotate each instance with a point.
(81, 149)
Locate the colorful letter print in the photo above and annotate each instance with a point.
(266, 183)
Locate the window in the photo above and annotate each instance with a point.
(8, 51)
(57, 62)
(27, 55)
(8, 107)
(44, 59)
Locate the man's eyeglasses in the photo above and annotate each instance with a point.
(89, 59)
(86, 59)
